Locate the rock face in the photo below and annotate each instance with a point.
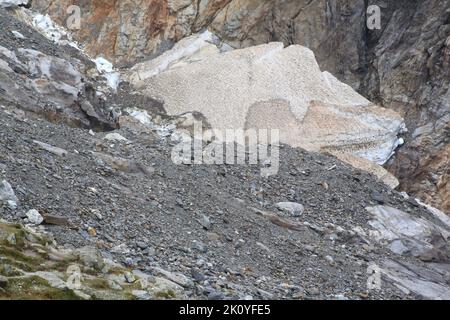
(403, 66)
(270, 87)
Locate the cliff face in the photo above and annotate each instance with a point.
(129, 30)
(403, 66)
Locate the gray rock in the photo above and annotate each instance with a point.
(294, 209)
(34, 217)
(205, 222)
(55, 150)
(378, 197)
(12, 239)
(419, 235)
(197, 275)
(141, 294)
(428, 283)
(11, 205)
(18, 35)
(115, 137)
(313, 291)
(53, 279)
(7, 193)
(330, 260)
(91, 258)
(199, 246)
(177, 278)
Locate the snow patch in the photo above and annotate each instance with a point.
(106, 68)
(12, 3)
(45, 25)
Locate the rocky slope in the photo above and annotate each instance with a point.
(404, 66)
(320, 229)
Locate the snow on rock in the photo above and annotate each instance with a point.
(106, 68)
(45, 25)
(12, 3)
(163, 130)
(7, 193)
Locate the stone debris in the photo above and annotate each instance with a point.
(34, 217)
(7, 194)
(55, 150)
(115, 137)
(294, 209)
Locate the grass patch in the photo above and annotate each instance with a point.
(34, 288)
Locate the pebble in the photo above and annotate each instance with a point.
(293, 208)
(378, 197)
(205, 222)
(330, 259)
(215, 295)
(142, 245)
(34, 217)
(17, 35)
(12, 204)
(141, 294)
(7, 192)
(115, 137)
(129, 277)
(199, 246)
(12, 239)
(197, 275)
(314, 291)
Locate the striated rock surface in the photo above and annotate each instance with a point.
(404, 66)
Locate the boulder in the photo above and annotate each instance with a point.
(7, 193)
(34, 217)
